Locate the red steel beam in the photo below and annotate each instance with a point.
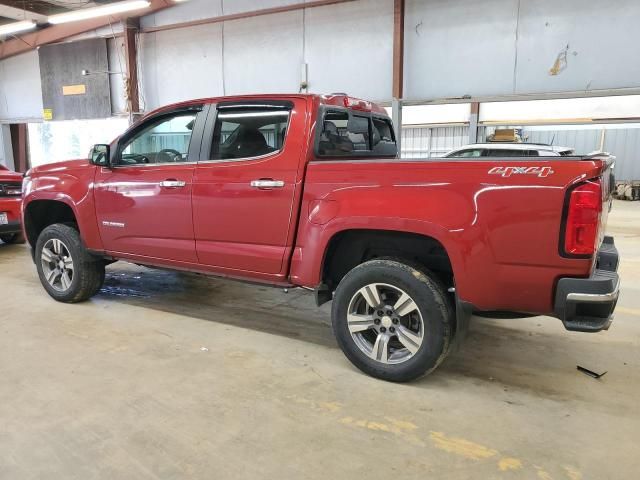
(131, 29)
(56, 33)
(398, 49)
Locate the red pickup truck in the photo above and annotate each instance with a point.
(308, 191)
(10, 200)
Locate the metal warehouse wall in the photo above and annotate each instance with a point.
(625, 145)
(623, 141)
(499, 47)
(347, 47)
(582, 140)
(432, 141)
(452, 48)
(20, 88)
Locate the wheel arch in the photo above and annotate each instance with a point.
(41, 213)
(351, 247)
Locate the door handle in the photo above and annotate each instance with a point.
(171, 183)
(267, 183)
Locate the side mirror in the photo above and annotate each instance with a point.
(99, 155)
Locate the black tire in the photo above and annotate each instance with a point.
(88, 271)
(432, 304)
(12, 238)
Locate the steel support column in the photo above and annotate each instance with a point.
(473, 122)
(132, 87)
(398, 68)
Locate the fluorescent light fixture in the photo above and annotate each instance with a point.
(16, 27)
(87, 13)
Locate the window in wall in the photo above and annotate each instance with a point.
(247, 133)
(66, 140)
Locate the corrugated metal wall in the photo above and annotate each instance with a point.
(623, 142)
(625, 145)
(432, 141)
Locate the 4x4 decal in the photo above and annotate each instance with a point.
(508, 171)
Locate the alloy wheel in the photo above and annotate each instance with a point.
(57, 265)
(385, 323)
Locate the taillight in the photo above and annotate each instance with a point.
(583, 219)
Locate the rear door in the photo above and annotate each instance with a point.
(247, 184)
(143, 202)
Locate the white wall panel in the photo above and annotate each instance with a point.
(20, 88)
(501, 47)
(183, 12)
(627, 106)
(181, 64)
(349, 48)
(459, 47)
(602, 37)
(263, 54)
(238, 6)
(200, 9)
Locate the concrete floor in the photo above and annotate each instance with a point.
(174, 376)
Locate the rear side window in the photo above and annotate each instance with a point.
(340, 136)
(350, 134)
(247, 133)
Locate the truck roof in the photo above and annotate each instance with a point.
(333, 99)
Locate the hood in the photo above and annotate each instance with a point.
(9, 176)
(61, 167)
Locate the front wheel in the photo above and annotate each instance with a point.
(67, 271)
(392, 320)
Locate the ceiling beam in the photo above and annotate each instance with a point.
(20, 14)
(248, 14)
(57, 33)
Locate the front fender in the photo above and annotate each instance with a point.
(74, 189)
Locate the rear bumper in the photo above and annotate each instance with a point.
(587, 304)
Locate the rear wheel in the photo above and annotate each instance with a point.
(13, 238)
(392, 320)
(67, 271)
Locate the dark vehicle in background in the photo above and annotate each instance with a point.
(10, 203)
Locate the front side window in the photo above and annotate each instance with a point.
(249, 132)
(165, 140)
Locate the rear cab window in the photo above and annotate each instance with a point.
(346, 133)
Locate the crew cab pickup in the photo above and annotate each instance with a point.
(10, 201)
(308, 191)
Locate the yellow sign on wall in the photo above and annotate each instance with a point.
(74, 89)
(47, 114)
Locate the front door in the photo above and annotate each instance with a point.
(244, 192)
(143, 201)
